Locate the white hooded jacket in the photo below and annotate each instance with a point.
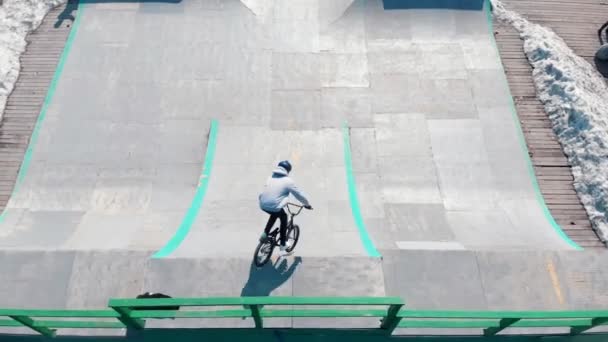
(276, 192)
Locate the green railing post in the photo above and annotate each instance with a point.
(390, 322)
(28, 322)
(257, 317)
(503, 324)
(594, 322)
(126, 319)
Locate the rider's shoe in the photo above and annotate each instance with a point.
(263, 237)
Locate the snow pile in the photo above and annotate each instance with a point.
(17, 19)
(574, 97)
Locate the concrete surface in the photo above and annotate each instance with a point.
(424, 279)
(440, 174)
(435, 151)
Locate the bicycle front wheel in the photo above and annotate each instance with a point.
(263, 252)
(293, 235)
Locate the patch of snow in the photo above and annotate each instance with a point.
(17, 19)
(574, 96)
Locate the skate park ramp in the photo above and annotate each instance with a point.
(437, 156)
(168, 117)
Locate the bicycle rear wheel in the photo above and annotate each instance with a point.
(293, 235)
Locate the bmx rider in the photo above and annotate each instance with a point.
(274, 198)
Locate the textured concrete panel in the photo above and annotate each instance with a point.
(418, 222)
(98, 276)
(386, 25)
(293, 35)
(364, 151)
(485, 88)
(420, 277)
(344, 70)
(338, 277)
(409, 180)
(398, 93)
(529, 220)
(502, 275)
(35, 279)
(58, 226)
(581, 278)
(296, 71)
(296, 110)
(370, 195)
(350, 104)
(475, 228)
(403, 135)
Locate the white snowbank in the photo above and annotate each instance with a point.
(17, 19)
(574, 95)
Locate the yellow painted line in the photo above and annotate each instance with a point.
(555, 281)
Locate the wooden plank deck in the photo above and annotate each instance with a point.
(577, 22)
(38, 65)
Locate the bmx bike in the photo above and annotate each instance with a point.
(264, 250)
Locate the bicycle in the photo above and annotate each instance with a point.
(264, 250)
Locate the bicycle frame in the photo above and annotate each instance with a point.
(275, 232)
(293, 214)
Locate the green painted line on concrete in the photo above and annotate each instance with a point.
(197, 201)
(27, 158)
(524, 146)
(354, 201)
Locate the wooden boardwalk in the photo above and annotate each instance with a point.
(577, 22)
(38, 65)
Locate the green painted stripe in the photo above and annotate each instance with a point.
(27, 158)
(352, 194)
(524, 146)
(197, 201)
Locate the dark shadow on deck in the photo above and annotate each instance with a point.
(262, 281)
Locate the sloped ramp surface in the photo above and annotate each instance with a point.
(435, 146)
(230, 221)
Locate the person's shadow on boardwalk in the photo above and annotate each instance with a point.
(262, 281)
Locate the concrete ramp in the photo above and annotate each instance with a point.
(119, 153)
(443, 163)
(230, 221)
(438, 156)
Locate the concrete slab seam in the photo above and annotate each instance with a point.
(195, 206)
(45, 105)
(352, 195)
(522, 142)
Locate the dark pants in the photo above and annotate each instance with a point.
(282, 215)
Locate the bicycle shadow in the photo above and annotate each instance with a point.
(262, 281)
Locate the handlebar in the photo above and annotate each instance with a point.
(295, 205)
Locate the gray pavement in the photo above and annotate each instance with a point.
(440, 174)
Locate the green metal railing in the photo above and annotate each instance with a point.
(132, 313)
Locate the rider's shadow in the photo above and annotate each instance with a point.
(262, 281)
